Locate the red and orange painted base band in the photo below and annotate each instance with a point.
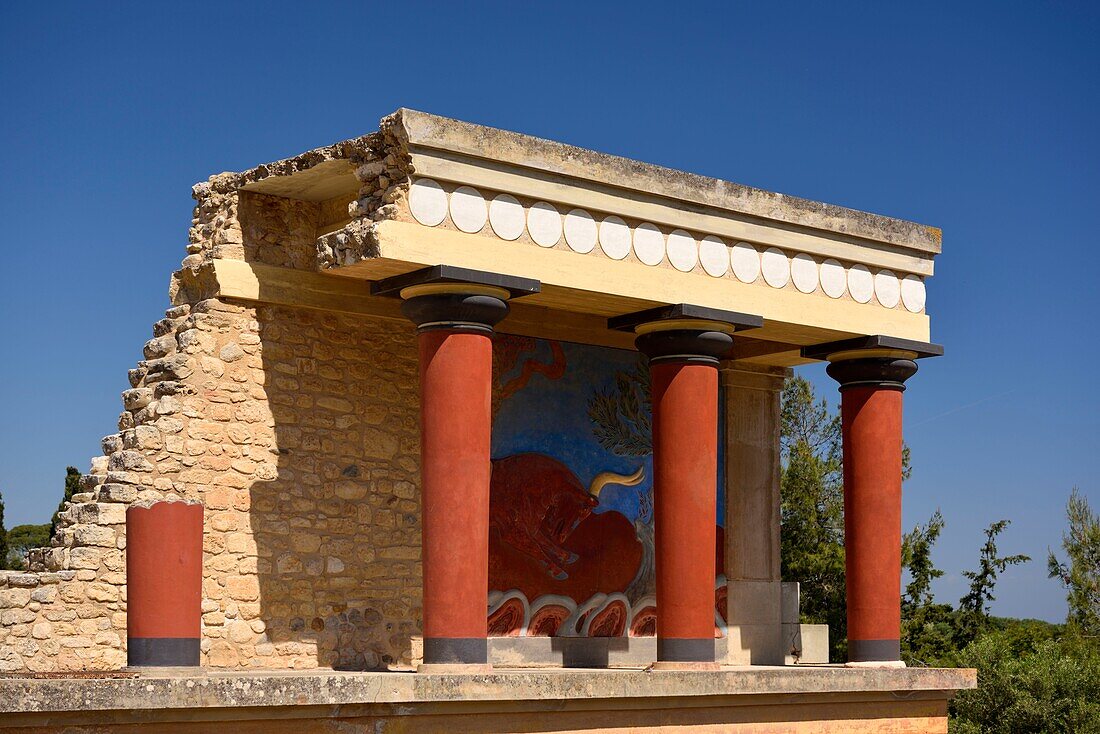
(685, 466)
(164, 584)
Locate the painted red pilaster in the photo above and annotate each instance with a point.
(685, 467)
(455, 386)
(163, 584)
(872, 427)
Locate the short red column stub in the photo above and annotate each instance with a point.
(164, 583)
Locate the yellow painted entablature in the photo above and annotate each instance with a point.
(605, 235)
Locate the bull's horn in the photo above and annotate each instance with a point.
(602, 479)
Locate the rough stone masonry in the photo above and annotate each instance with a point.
(295, 428)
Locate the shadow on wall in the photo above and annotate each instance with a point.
(337, 532)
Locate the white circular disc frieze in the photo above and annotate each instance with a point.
(428, 202)
(833, 281)
(580, 231)
(506, 217)
(682, 251)
(804, 273)
(913, 293)
(860, 283)
(615, 238)
(745, 261)
(468, 209)
(714, 256)
(544, 224)
(776, 267)
(649, 243)
(887, 288)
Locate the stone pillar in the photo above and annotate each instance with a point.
(455, 313)
(163, 584)
(684, 345)
(872, 375)
(754, 599)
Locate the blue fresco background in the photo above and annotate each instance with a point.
(551, 417)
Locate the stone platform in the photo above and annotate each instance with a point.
(756, 699)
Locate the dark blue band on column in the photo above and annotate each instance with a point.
(874, 651)
(675, 650)
(162, 651)
(456, 651)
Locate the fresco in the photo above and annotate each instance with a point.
(571, 497)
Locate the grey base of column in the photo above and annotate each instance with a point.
(456, 651)
(162, 652)
(678, 650)
(874, 651)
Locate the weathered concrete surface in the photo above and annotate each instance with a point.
(178, 689)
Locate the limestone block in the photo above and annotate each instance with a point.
(117, 493)
(9, 659)
(129, 461)
(160, 346)
(14, 598)
(111, 444)
(44, 594)
(137, 398)
(93, 535)
(243, 588)
(25, 580)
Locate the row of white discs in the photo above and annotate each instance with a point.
(430, 206)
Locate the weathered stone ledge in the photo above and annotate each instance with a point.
(212, 690)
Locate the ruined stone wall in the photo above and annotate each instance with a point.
(298, 432)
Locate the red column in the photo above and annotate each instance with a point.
(455, 328)
(685, 470)
(455, 385)
(871, 416)
(683, 367)
(163, 584)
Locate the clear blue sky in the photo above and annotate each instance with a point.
(981, 120)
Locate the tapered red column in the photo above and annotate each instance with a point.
(685, 470)
(456, 375)
(683, 350)
(872, 372)
(871, 420)
(163, 584)
(455, 311)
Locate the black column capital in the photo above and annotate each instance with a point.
(684, 332)
(887, 373)
(457, 299)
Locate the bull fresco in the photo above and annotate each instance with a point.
(571, 497)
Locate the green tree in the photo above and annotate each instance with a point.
(3, 536)
(72, 486)
(22, 538)
(927, 629)
(973, 614)
(1081, 576)
(812, 509)
(916, 558)
(1049, 686)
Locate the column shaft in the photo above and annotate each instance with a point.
(872, 426)
(685, 446)
(455, 385)
(163, 584)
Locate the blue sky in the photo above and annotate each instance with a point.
(981, 120)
